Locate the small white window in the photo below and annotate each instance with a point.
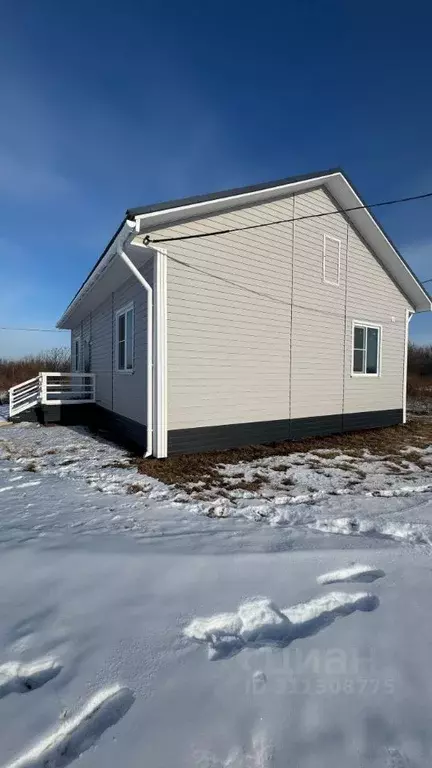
(125, 339)
(366, 353)
(76, 353)
(331, 260)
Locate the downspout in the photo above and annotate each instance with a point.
(408, 317)
(131, 266)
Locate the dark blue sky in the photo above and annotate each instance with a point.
(106, 106)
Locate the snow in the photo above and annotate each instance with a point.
(77, 734)
(17, 677)
(4, 414)
(137, 629)
(260, 623)
(354, 572)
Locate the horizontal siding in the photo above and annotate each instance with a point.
(101, 352)
(229, 320)
(318, 310)
(130, 390)
(255, 333)
(123, 393)
(374, 298)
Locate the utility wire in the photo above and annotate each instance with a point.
(38, 330)
(148, 239)
(276, 299)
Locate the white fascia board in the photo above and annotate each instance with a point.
(376, 238)
(346, 197)
(117, 244)
(147, 221)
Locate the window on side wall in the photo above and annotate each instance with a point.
(125, 339)
(76, 353)
(366, 353)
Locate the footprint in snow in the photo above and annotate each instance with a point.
(259, 623)
(79, 732)
(17, 677)
(354, 573)
(396, 760)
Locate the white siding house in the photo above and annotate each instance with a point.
(254, 315)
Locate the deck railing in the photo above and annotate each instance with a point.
(64, 388)
(52, 389)
(23, 396)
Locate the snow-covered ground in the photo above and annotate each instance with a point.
(137, 630)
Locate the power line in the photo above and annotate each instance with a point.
(277, 300)
(148, 239)
(426, 281)
(38, 330)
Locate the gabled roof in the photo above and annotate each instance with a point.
(160, 215)
(235, 192)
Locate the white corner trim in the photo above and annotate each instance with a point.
(160, 367)
(408, 316)
(335, 240)
(378, 327)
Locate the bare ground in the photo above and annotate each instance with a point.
(198, 472)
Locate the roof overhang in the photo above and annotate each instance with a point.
(108, 274)
(150, 218)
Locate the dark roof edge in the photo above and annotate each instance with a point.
(118, 230)
(185, 201)
(131, 212)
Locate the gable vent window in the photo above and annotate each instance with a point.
(366, 353)
(331, 260)
(125, 326)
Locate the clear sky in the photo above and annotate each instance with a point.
(106, 106)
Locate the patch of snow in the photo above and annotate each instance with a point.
(77, 734)
(21, 485)
(355, 572)
(258, 623)
(18, 677)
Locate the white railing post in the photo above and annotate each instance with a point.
(43, 388)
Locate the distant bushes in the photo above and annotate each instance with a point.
(419, 370)
(15, 371)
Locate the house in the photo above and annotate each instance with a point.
(253, 315)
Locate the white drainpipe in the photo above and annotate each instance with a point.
(408, 316)
(149, 290)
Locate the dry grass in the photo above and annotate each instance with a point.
(15, 371)
(185, 469)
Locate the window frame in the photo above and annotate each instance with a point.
(123, 311)
(375, 327)
(86, 344)
(76, 358)
(335, 240)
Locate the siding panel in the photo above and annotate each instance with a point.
(101, 352)
(229, 320)
(122, 393)
(255, 333)
(373, 297)
(318, 311)
(130, 390)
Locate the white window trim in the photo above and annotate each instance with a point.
(123, 311)
(76, 364)
(335, 240)
(377, 327)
